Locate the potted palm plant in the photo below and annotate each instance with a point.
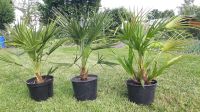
(35, 43)
(85, 32)
(143, 69)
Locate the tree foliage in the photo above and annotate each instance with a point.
(187, 8)
(73, 8)
(118, 15)
(156, 14)
(29, 10)
(7, 14)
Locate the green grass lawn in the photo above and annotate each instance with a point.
(178, 89)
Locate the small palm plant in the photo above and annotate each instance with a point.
(140, 37)
(35, 43)
(85, 33)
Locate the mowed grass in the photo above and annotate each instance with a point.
(178, 88)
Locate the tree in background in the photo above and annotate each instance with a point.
(156, 14)
(187, 8)
(197, 12)
(168, 13)
(7, 14)
(118, 15)
(29, 10)
(73, 8)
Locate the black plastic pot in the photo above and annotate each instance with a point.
(41, 91)
(139, 94)
(85, 89)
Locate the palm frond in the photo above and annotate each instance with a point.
(9, 58)
(176, 42)
(55, 46)
(52, 70)
(101, 61)
(168, 64)
(127, 63)
(180, 22)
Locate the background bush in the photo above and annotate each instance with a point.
(7, 14)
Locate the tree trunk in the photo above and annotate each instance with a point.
(144, 75)
(39, 78)
(142, 70)
(84, 73)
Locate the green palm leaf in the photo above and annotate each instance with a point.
(9, 58)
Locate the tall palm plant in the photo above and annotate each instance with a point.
(84, 33)
(34, 42)
(140, 37)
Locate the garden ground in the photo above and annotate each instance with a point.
(178, 88)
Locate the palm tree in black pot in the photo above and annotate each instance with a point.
(85, 32)
(36, 44)
(140, 38)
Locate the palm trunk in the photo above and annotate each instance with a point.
(84, 73)
(144, 75)
(39, 78)
(38, 75)
(85, 52)
(142, 70)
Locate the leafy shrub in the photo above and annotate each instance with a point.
(7, 14)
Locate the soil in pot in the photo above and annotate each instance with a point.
(41, 91)
(139, 94)
(85, 89)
